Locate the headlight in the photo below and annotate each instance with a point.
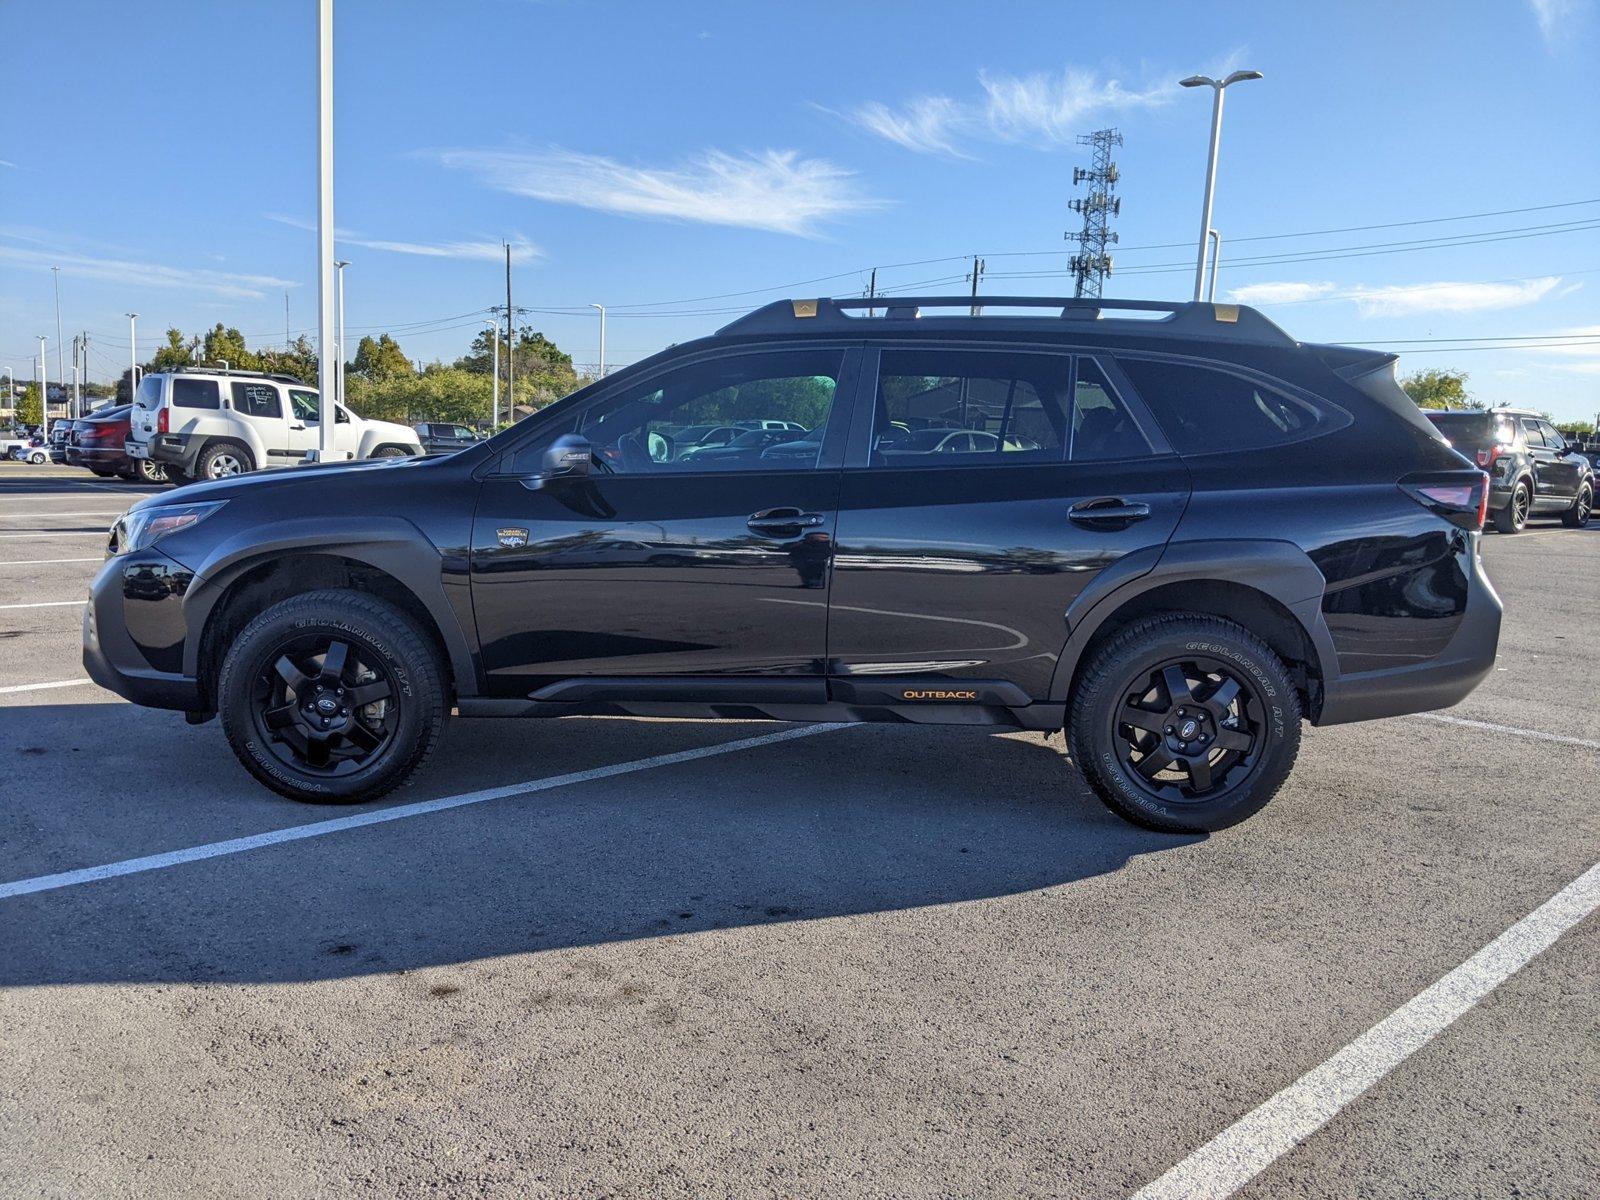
(145, 526)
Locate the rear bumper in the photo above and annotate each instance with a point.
(113, 658)
(106, 458)
(170, 449)
(1440, 682)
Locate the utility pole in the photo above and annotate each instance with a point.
(494, 339)
(61, 372)
(84, 339)
(44, 389)
(602, 309)
(75, 405)
(511, 344)
(1091, 264)
(288, 333)
(872, 291)
(327, 367)
(133, 355)
(977, 274)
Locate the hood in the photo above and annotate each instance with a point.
(402, 433)
(306, 475)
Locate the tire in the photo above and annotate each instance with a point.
(1514, 516)
(389, 452)
(223, 460)
(1237, 706)
(269, 699)
(176, 477)
(1577, 517)
(146, 471)
(37, 459)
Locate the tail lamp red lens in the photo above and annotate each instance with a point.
(161, 421)
(1461, 499)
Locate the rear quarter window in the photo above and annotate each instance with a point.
(196, 393)
(1204, 410)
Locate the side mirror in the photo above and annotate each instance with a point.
(1574, 448)
(568, 457)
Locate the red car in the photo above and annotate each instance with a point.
(97, 443)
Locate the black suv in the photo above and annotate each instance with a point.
(1533, 469)
(1174, 535)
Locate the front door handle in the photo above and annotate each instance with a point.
(1108, 512)
(783, 522)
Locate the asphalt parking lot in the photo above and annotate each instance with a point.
(697, 959)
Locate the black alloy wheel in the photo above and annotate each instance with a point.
(321, 709)
(1189, 729)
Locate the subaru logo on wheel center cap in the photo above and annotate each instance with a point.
(327, 705)
(1188, 729)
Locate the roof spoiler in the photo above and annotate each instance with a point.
(1353, 362)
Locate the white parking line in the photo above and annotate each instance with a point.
(1516, 731)
(43, 687)
(1258, 1139)
(295, 833)
(21, 516)
(94, 533)
(47, 604)
(39, 562)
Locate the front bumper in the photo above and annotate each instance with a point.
(1439, 682)
(134, 629)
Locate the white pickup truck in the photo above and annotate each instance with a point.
(202, 423)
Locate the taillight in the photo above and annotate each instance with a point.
(161, 420)
(1486, 458)
(1460, 497)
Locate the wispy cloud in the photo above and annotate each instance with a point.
(1555, 18)
(776, 190)
(1578, 356)
(145, 274)
(1039, 109)
(1408, 299)
(7, 163)
(481, 249)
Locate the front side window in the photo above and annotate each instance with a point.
(303, 405)
(256, 399)
(196, 393)
(1208, 411)
(662, 426)
(942, 408)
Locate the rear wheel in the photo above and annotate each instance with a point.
(1577, 517)
(1514, 515)
(223, 460)
(332, 697)
(389, 452)
(1185, 723)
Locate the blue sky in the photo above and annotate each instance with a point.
(664, 156)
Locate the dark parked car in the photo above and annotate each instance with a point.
(60, 432)
(439, 437)
(99, 443)
(1186, 536)
(1533, 469)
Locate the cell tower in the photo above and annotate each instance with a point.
(1091, 264)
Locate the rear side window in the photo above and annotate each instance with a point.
(256, 400)
(196, 393)
(1101, 425)
(945, 408)
(149, 393)
(1207, 411)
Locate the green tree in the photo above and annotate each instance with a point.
(440, 393)
(381, 359)
(1439, 388)
(29, 410)
(298, 359)
(226, 344)
(176, 354)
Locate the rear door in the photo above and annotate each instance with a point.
(1551, 475)
(1566, 467)
(957, 566)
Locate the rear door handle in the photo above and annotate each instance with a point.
(1108, 512)
(780, 521)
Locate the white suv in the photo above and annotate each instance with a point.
(208, 424)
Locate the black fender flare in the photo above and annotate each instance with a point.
(1277, 569)
(392, 545)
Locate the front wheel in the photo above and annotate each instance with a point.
(1185, 723)
(332, 697)
(1577, 517)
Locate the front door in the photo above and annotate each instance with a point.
(954, 568)
(661, 563)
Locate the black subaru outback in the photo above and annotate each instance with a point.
(1169, 530)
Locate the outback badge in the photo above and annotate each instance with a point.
(512, 539)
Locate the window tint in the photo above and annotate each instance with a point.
(1102, 427)
(1205, 411)
(945, 408)
(657, 427)
(303, 405)
(1531, 432)
(196, 393)
(1553, 437)
(256, 399)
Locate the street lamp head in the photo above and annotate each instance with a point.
(341, 262)
(1197, 81)
(1240, 77)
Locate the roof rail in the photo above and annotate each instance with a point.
(274, 375)
(1192, 318)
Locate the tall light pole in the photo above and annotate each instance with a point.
(1216, 254)
(44, 389)
(61, 371)
(343, 353)
(602, 309)
(1217, 88)
(327, 368)
(494, 341)
(133, 355)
